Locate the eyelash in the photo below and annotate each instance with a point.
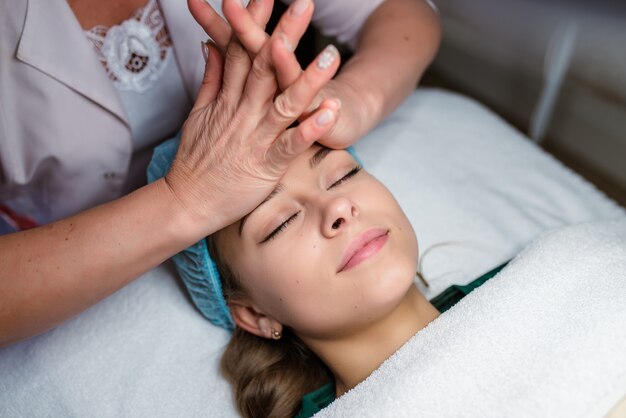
(281, 227)
(293, 217)
(350, 174)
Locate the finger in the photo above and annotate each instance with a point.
(296, 140)
(288, 70)
(212, 80)
(245, 28)
(286, 66)
(261, 11)
(291, 103)
(211, 22)
(291, 27)
(261, 84)
(236, 70)
(292, 24)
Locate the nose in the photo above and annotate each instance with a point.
(339, 212)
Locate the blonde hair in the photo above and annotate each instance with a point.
(269, 377)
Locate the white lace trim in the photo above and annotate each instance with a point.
(134, 52)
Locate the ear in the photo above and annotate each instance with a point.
(249, 318)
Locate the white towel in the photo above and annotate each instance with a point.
(544, 338)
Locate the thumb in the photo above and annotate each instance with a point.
(296, 140)
(212, 79)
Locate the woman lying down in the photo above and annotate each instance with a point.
(319, 282)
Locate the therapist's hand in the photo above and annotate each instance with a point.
(237, 141)
(244, 23)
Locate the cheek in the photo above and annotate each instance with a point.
(285, 278)
(409, 239)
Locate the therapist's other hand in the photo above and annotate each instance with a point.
(237, 142)
(248, 24)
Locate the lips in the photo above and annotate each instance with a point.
(363, 247)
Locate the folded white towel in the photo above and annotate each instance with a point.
(544, 338)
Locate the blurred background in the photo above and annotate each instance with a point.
(556, 70)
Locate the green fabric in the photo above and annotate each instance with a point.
(319, 399)
(452, 295)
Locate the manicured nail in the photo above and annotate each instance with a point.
(325, 117)
(205, 50)
(299, 7)
(327, 57)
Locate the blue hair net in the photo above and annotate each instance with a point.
(194, 264)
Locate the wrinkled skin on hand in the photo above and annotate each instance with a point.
(237, 142)
(244, 23)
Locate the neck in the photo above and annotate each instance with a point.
(353, 358)
(108, 13)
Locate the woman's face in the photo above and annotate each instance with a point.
(328, 252)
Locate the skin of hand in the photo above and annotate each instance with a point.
(237, 136)
(396, 44)
(234, 148)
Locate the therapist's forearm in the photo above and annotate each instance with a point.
(51, 273)
(396, 44)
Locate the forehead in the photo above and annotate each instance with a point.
(303, 163)
(308, 161)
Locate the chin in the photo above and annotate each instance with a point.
(391, 282)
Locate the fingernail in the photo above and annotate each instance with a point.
(299, 7)
(325, 117)
(205, 50)
(327, 57)
(286, 42)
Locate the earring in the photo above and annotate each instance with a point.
(276, 334)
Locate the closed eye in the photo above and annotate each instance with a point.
(280, 228)
(293, 217)
(348, 176)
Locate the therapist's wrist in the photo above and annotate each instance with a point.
(186, 225)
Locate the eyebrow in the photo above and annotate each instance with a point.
(315, 160)
(279, 188)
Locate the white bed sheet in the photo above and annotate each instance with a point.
(463, 176)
